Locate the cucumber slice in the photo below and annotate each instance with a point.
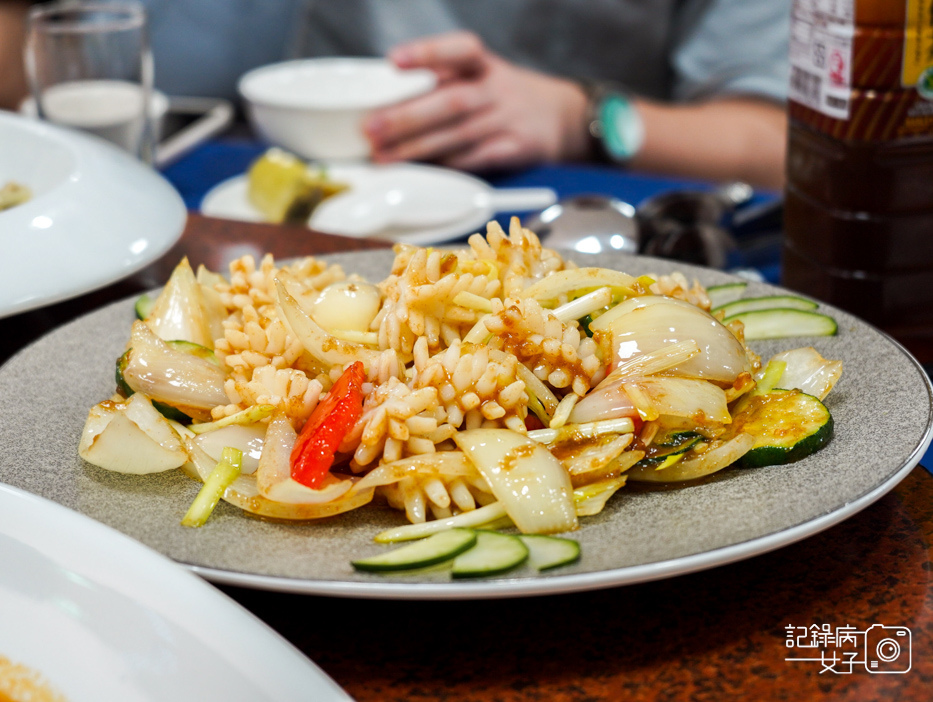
(782, 323)
(767, 302)
(144, 305)
(546, 552)
(120, 379)
(437, 548)
(725, 293)
(787, 425)
(494, 553)
(675, 444)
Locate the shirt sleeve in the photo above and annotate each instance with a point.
(731, 47)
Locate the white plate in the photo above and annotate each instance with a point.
(449, 204)
(100, 617)
(97, 215)
(883, 424)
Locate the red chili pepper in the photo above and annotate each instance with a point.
(639, 423)
(532, 422)
(334, 416)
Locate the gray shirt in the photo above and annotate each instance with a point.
(665, 49)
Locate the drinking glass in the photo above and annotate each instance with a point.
(90, 67)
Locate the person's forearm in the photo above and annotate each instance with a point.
(12, 30)
(725, 139)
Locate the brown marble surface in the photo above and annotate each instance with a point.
(714, 635)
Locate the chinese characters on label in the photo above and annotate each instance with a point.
(879, 648)
(821, 45)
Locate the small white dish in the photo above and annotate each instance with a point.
(96, 214)
(315, 107)
(407, 202)
(101, 617)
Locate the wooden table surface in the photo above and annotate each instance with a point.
(715, 635)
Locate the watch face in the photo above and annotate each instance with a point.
(622, 128)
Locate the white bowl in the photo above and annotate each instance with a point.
(315, 107)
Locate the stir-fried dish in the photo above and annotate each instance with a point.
(495, 384)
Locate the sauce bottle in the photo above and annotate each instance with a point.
(859, 189)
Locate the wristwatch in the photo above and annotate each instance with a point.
(614, 124)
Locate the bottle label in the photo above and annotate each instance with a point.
(918, 47)
(822, 37)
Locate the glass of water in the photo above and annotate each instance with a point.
(90, 67)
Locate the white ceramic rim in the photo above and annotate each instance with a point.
(99, 168)
(157, 584)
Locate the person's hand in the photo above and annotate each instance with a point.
(486, 113)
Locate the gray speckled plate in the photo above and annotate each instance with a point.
(881, 406)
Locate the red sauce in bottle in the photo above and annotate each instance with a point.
(859, 193)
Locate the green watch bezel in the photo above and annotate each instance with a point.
(615, 124)
(622, 131)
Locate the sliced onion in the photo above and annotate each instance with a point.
(657, 361)
(440, 463)
(214, 310)
(321, 345)
(199, 465)
(591, 499)
(579, 432)
(273, 476)
(807, 371)
(537, 390)
(244, 493)
(290, 491)
(696, 465)
(246, 438)
(275, 462)
(699, 400)
(582, 306)
(646, 324)
(578, 280)
(524, 476)
(191, 383)
(130, 437)
(180, 311)
(604, 402)
(593, 457)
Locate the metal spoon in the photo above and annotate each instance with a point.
(685, 225)
(589, 224)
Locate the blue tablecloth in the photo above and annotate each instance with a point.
(217, 160)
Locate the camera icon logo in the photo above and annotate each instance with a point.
(887, 649)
